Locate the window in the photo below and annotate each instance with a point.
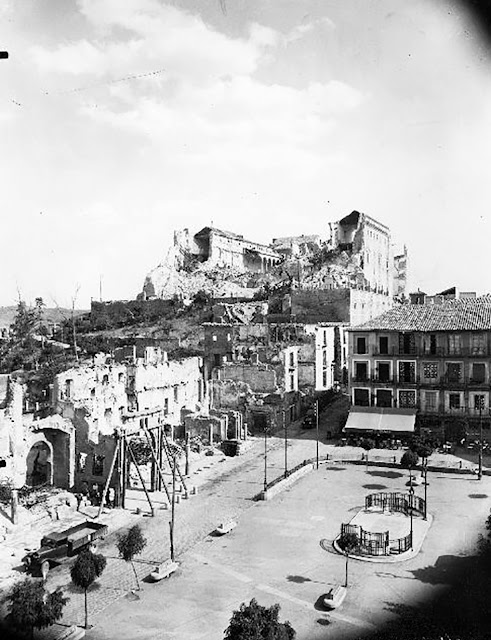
(479, 402)
(361, 397)
(454, 371)
(217, 359)
(407, 371)
(407, 399)
(292, 382)
(214, 338)
(433, 344)
(454, 400)
(292, 359)
(454, 344)
(68, 388)
(229, 337)
(176, 393)
(407, 343)
(361, 370)
(325, 338)
(121, 377)
(383, 345)
(384, 398)
(361, 345)
(324, 358)
(430, 400)
(478, 372)
(383, 371)
(430, 370)
(98, 465)
(105, 379)
(478, 344)
(324, 378)
(166, 406)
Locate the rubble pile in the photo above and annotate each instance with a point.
(319, 268)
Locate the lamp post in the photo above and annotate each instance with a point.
(425, 471)
(286, 443)
(479, 474)
(265, 458)
(317, 433)
(411, 495)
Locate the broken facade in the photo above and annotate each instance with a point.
(223, 248)
(34, 451)
(368, 242)
(130, 396)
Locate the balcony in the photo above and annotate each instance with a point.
(426, 352)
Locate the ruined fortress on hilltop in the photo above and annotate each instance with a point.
(357, 253)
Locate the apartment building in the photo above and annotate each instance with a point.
(433, 360)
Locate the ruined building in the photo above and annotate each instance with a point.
(33, 451)
(369, 244)
(139, 389)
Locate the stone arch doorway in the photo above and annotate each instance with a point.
(39, 464)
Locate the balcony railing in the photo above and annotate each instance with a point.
(426, 352)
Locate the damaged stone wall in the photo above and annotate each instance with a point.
(36, 451)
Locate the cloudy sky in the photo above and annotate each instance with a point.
(121, 120)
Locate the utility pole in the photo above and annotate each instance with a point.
(173, 503)
(411, 495)
(317, 433)
(286, 443)
(481, 402)
(265, 458)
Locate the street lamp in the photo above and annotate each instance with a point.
(481, 402)
(286, 443)
(317, 432)
(425, 472)
(411, 496)
(265, 458)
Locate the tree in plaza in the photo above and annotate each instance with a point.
(348, 542)
(130, 544)
(31, 606)
(409, 460)
(422, 448)
(368, 444)
(254, 622)
(87, 567)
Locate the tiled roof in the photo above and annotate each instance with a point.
(453, 315)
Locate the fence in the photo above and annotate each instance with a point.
(400, 502)
(372, 543)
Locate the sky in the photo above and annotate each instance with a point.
(122, 120)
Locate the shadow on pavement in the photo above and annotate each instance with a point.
(379, 473)
(376, 487)
(298, 579)
(478, 496)
(446, 570)
(319, 603)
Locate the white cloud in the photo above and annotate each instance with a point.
(158, 36)
(301, 30)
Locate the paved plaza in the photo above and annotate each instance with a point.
(281, 551)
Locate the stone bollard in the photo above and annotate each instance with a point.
(194, 491)
(185, 496)
(178, 499)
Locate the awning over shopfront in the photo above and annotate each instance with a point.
(381, 420)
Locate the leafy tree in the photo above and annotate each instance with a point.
(254, 622)
(31, 607)
(409, 460)
(368, 444)
(87, 567)
(130, 544)
(348, 543)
